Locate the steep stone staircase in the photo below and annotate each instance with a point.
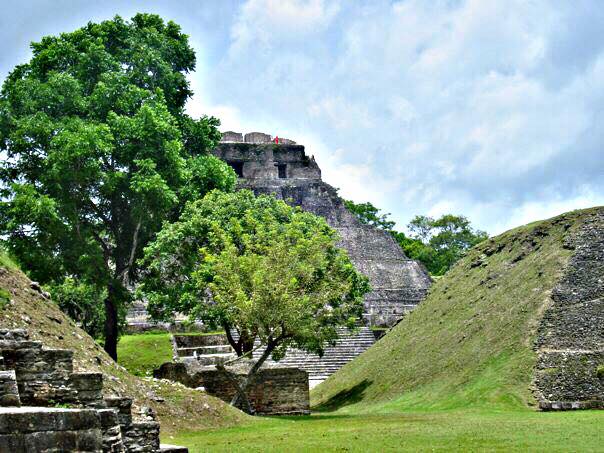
(348, 346)
(207, 350)
(47, 407)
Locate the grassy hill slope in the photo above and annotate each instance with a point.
(470, 343)
(182, 408)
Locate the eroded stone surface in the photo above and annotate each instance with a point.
(570, 343)
(45, 377)
(40, 429)
(274, 391)
(9, 392)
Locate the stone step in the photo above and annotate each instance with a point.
(141, 436)
(204, 350)
(210, 359)
(347, 347)
(33, 429)
(10, 345)
(88, 389)
(123, 407)
(192, 341)
(14, 334)
(111, 431)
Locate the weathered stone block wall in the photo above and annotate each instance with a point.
(42, 374)
(570, 342)
(257, 137)
(193, 341)
(29, 429)
(275, 391)
(230, 136)
(253, 138)
(44, 378)
(260, 161)
(9, 392)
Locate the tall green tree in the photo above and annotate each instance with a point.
(256, 266)
(449, 236)
(99, 152)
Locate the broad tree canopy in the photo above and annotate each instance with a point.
(98, 152)
(256, 265)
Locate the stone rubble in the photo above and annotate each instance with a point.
(66, 411)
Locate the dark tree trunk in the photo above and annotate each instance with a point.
(246, 344)
(111, 322)
(243, 387)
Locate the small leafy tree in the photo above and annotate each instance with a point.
(82, 303)
(99, 152)
(256, 266)
(449, 236)
(368, 214)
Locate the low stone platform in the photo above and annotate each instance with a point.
(275, 391)
(206, 350)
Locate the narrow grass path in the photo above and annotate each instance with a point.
(459, 430)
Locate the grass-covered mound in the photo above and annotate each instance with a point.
(470, 343)
(182, 408)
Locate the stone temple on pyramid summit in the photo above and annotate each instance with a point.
(281, 167)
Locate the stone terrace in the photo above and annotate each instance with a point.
(47, 407)
(198, 351)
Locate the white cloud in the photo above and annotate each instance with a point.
(473, 107)
(268, 23)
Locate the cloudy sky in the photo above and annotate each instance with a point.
(489, 108)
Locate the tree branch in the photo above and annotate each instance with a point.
(242, 389)
(235, 345)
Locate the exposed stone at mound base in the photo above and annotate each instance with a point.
(398, 283)
(274, 390)
(570, 342)
(42, 378)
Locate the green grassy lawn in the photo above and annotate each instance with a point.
(458, 430)
(140, 354)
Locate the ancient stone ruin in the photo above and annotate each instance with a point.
(570, 342)
(287, 172)
(277, 390)
(253, 137)
(47, 407)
